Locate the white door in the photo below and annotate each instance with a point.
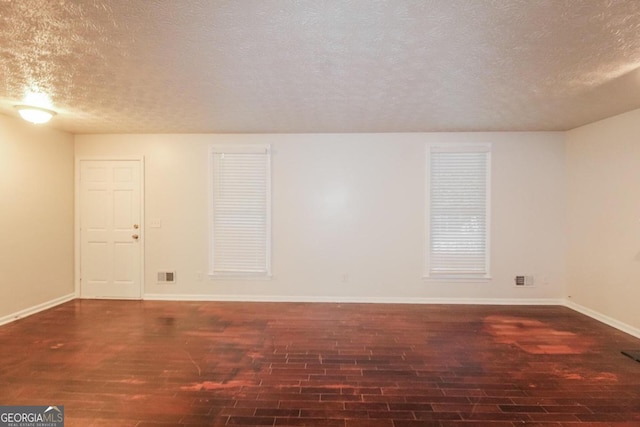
(110, 208)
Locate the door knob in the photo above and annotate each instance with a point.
(135, 236)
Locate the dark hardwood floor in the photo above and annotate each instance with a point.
(144, 364)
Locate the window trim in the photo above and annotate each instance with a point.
(428, 275)
(239, 148)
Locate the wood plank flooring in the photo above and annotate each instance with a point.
(154, 364)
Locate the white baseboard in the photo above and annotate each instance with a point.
(36, 308)
(345, 299)
(603, 318)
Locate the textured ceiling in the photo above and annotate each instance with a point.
(158, 66)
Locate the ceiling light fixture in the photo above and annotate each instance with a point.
(35, 115)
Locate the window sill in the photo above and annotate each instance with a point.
(455, 278)
(239, 276)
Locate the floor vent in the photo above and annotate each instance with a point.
(166, 277)
(524, 281)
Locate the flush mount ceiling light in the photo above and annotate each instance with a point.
(35, 115)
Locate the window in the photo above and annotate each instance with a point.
(240, 210)
(458, 195)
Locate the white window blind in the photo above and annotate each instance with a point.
(458, 188)
(240, 210)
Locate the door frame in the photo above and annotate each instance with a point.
(77, 222)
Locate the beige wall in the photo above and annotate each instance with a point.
(350, 205)
(345, 204)
(603, 167)
(36, 215)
